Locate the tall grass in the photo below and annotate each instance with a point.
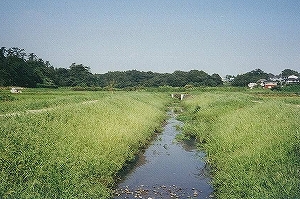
(252, 142)
(75, 151)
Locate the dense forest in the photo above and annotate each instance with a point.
(17, 68)
(20, 69)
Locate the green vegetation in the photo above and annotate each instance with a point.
(61, 143)
(77, 145)
(17, 68)
(252, 141)
(253, 76)
(292, 88)
(27, 70)
(32, 99)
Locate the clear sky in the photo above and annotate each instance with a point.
(224, 37)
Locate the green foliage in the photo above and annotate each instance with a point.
(135, 78)
(288, 72)
(16, 70)
(252, 142)
(253, 76)
(75, 150)
(292, 88)
(34, 72)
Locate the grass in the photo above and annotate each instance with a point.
(32, 99)
(77, 146)
(252, 142)
(74, 150)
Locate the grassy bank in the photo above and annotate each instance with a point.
(252, 142)
(75, 149)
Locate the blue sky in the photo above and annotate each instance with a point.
(224, 37)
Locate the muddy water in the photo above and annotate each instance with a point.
(167, 169)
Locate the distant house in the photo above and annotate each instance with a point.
(277, 79)
(270, 84)
(261, 82)
(267, 84)
(16, 90)
(252, 85)
(293, 79)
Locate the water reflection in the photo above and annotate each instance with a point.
(167, 169)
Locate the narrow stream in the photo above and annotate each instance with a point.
(167, 169)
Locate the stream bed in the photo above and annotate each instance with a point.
(167, 169)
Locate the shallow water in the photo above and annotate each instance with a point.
(167, 169)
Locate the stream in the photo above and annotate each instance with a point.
(167, 169)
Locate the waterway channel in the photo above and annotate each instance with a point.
(167, 169)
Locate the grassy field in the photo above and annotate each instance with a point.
(72, 144)
(32, 99)
(252, 140)
(75, 147)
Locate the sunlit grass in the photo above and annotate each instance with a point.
(251, 142)
(75, 151)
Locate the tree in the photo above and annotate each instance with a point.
(216, 79)
(16, 52)
(32, 57)
(253, 76)
(159, 79)
(3, 53)
(62, 77)
(33, 71)
(43, 69)
(137, 78)
(289, 72)
(80, 75)
(3, 72)
(19, 73)
(197, 78)
(177, 79)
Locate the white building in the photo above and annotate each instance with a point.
(293, 79)
(16, 90)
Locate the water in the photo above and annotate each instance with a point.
(167, 169)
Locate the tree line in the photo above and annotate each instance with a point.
(17, 68)
(258, 74)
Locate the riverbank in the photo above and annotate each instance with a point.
(73, 149)
(252, 142)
